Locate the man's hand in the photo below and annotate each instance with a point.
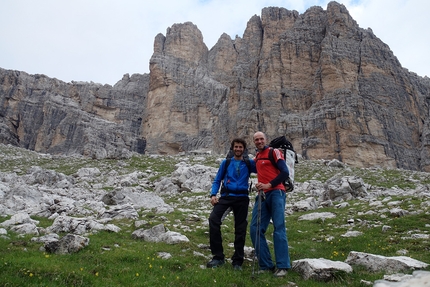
(214, 200)
(263, 186)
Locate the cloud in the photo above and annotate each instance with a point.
(101, 40)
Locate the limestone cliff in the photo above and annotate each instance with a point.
(50, 116)
(334, 89)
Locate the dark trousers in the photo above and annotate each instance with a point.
(239, 205)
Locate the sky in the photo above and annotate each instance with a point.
(101, 40)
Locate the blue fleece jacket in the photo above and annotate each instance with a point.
(236, 178)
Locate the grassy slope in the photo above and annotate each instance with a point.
(117, 260)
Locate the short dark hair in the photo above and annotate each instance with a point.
(238, 140)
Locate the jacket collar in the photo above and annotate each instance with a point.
(265, 147)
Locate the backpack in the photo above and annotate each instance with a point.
(290, 157)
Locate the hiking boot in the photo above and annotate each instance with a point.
(237, 268)
(215, 263)
(269, 270)
(280, 273)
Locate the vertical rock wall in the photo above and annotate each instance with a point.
(335, 89)
(50, 116)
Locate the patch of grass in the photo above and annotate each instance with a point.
(115, 259)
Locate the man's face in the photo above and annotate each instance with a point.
(238, 149)
(259, 140)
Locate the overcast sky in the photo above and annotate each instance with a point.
(101, 40)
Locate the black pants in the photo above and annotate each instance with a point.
(239, 204)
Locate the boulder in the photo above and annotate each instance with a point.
(376, 263)
(319, 269)
(68, 244)
(158, 233)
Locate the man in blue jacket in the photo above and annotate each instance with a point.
(234, 174)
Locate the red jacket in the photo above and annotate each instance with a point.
(266, 171)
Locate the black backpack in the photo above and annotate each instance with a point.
(283, 144)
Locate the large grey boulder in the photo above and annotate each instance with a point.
(159, 233)
(344, 188)
(41, 176)
(18, 218)
(320, 269)
(305, 205)
(51, 237)
(25, 228)
(79, 225)
(317, 215)
(376, 263)
(138, 198)
(120, 211)
(70, 243)
(417, 279)
(187, 178)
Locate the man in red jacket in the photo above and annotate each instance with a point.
(273, 199)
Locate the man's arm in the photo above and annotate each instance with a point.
(283, 175)
(217, 180)
(253, 166)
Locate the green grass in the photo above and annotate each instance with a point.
(116, 259)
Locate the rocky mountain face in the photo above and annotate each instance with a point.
(334, 89)
(50, 116)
